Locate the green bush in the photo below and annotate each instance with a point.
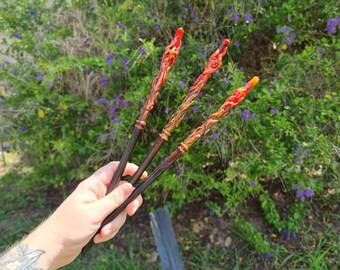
(78, 73)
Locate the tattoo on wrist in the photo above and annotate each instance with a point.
(21, 257)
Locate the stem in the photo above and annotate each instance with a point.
(123, 161)
(149, 157)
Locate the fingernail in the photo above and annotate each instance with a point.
(107, 231)
(135, 207)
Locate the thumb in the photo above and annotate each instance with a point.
(115, 198)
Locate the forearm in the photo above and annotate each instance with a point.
(39, 250)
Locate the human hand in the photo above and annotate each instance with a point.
(78, 218)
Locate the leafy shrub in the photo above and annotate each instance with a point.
(79, 73)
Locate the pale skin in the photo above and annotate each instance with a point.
(59, 240)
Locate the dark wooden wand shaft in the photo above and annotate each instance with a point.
(230, 102)
(214, 63)
(169, 57)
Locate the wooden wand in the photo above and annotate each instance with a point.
(169, 57)
(199, 132)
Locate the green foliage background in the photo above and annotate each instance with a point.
(290, 136)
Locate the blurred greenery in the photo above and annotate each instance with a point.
(74, 75)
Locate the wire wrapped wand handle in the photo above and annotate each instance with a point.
(169, 57)
(230, 102)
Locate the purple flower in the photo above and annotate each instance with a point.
(203, 55)
(237, 44)
(294, 236)
(184, 16)
(265, 256)
(7, 63)
(194, 15)
(235, 17)
(297, 159)
(252, 184)
(14, 71)
(104, 81)
(87, 42)
(303, 153)
(102, 101)
(120, 25)
(252, 115)
(284, 233)
(331, 26)
(22, 129)
(118, 100)
(50, 84)
(142, 51)
(296, 186)
(32, 11)
(166, 110)
(248, 18)
(288, 41)
(216, 135)
(292, 34)
(245, 114)
(226, 81)
(181, 84)
(302, 198)
(299, 193)
(40, 77)
(212, 212)
(18, 36)
(179, 172)
(229, 11)
(125, 71)
(125, 61)
(274, 111)
(319, 49)
(142, 100)
(101, 138)
(195, 110)
(85, 72)
(308, 192)
(109, 59)
(112, 110)
(125, 104)
(240, 69)
(115, 121)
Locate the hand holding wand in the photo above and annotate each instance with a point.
(230, 102)
(214, 63)
(169, 57)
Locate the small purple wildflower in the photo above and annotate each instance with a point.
(303, 153)
(109, 59)
(284, 233)
(248, 18)
(14, 71)
(22, 129)
(125, 104)
(288, 41)
(203, 55)
(120, 25)
(252, 115)
(299, 193)
(265, 256)
(102, 101)
(331, 26)
(125, 61)
(7, 63)
(18, 36)
(235, 17)
(319, 49)
(274, 111)
(40, 77)
(181, 84)
(237, 44)
(221, 220)
(32, 11)
(125, 71)
(294, 236)
(229, 11)
(240, 69)
(245, 114)
(216, 135)
(212, 212)
(184, 16)
(166, 110)
(39, 37)
(87, 42)
(297, 159)
(308, 192)
(252, 184)
(101, 138)
(118, 100)
(296, 186)
(179, 172)
(292, 34)
(194, 15)
(112, 110)
(104, 81)
(85, 72)
(226, 81)
(50, 84)
(195, 110)
(142, 100)
(115, 121)
(142, 51)
(302, 198)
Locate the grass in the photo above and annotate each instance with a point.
(24, 207)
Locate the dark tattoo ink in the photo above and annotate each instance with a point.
(20, 258)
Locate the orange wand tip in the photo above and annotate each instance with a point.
(179, 32)
(225, 43)
(252, 82)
